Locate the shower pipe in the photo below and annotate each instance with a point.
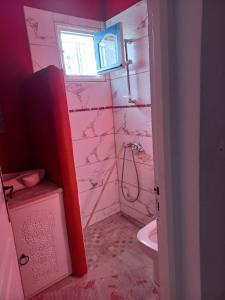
(133, 146)
(128, 63)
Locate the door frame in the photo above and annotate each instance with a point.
(159, 75)
(10, 278)
(175, 91)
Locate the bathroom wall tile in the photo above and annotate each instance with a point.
(140, 89)
(91, 124)
(135, 214)
(43, 56)
(145, 157)
(134, 19)
(92, 131)
(133, 121)
(148, 113)
(106, 198)
(102, 214)
(134, 124)
(92, 176)
(138, 53)
(145, 173)
(89, 151)
(119, 89)
(88, 94)
(40, 26)
(146, 203)
(78, 22)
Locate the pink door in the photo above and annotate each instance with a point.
(10, 282)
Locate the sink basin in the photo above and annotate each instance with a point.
(147, 236)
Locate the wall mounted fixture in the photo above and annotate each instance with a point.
(128, 63)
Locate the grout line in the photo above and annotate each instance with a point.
(97, 187)
(91, 137)
(115, 144)
(135, 73)
(106, 134)
(80, 80)
(132, 135)
(96, 162)
(143, 189)
(53, 45)
(136, 210)
(131, 219)
(101, 209)
(138, 162)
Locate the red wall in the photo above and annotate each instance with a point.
(113, 7)
(15, 65)
(90, 9)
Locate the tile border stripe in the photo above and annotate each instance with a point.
(109, 107)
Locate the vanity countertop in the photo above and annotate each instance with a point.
(38, 192)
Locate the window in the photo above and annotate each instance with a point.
(77, 53)
(86, 54)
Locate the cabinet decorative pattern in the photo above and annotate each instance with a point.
(39, 228)
(38, 233)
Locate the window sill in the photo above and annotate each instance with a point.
(85, 78)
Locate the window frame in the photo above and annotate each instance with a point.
(115, 30)
(76, 30)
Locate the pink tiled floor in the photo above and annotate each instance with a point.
(118, 269)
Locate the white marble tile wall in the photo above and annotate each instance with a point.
(108, 205)
(134, 19)
(135, 27)
(134, 124)
(140, 89)
(99, 135)
(41, 25)
(95, 175)
(89, 124)
(80, 94)
(99, 149)
(133, 121)
(145, 157)
(92, 131)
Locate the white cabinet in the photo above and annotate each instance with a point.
(38, 221)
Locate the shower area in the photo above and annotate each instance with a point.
(118, 172)
(131, 99)
(110, 118)
(111, 130)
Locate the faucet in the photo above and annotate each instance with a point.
(135, 146)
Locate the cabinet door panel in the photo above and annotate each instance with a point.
(41, 243)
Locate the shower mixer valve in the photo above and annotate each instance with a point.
(135, 146)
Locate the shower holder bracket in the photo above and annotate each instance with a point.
(128, 62)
